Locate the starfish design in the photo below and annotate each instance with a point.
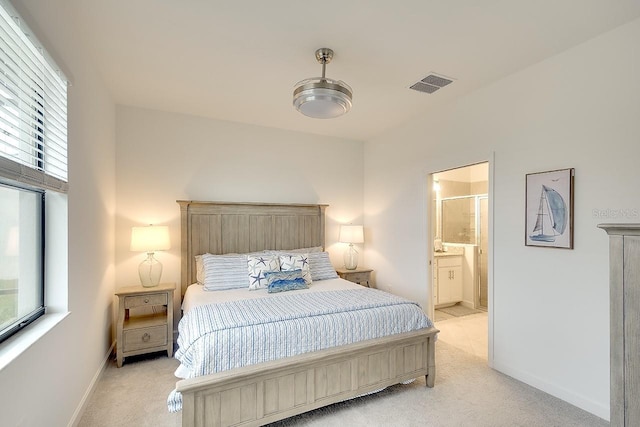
(256, 279)
(305, 261)
(262, 261)
(254, 268)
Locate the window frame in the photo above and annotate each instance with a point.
(23, 321)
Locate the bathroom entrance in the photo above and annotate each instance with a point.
(460, 236)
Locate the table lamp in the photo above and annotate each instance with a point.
(150, 239)
(351, 234)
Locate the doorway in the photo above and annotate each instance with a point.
(459, 224)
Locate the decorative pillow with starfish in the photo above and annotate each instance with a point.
(257, 266)
(290, 262)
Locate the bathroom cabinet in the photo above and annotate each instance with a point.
(448, 279)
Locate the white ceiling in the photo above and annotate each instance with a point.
(239, 60)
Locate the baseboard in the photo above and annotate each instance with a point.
(582, 402)
(467, 304)
(77, 415)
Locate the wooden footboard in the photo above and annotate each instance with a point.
(267, 392)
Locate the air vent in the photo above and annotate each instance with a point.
(431, 83)
(422, 87)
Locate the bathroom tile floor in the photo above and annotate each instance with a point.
(467, 333)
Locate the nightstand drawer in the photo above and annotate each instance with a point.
(137, 339)
(361, 276)
(358, 277)
(145, 300)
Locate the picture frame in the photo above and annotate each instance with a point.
(549, 209)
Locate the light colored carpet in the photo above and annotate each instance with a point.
(134, 395)
(467, 393)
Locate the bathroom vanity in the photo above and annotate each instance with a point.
(447, 272)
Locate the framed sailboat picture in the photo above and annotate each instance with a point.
(549, 209)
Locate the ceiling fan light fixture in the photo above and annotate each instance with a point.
(320, 97)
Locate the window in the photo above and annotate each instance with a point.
(33, 161)
(21, 258)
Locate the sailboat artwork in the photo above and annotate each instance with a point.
(551, 220)
(549, 212)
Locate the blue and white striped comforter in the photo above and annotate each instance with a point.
(218, 337)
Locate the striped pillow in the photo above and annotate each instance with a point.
(224, 271)
(320, 266)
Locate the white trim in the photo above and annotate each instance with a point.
(82, 406)
(426, 213)
(13, 347)
(490, 261)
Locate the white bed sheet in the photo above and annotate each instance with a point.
(210, 352)
(196, 295)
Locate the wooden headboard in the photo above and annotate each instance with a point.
(222, 227)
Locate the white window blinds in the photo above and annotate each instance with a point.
(33, 109)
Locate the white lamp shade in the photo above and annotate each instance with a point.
(149, 239)
(351, 234)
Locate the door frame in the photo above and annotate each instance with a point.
(477, 292)
(430, 196)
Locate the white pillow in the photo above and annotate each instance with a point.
(320, 266)
(224, 271)
(290, 262)
(258, 265)
(199, 270)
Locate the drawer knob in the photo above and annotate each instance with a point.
(146, 337)
(146, 300)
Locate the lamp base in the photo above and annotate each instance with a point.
(150, 271)
(351, 258)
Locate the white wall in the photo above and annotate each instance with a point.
(162, 157)
(578, 109)
(551, 323)
(46, 384)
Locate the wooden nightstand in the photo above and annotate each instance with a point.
(145, 320)
(360, 275)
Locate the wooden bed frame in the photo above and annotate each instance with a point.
(267, 392)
